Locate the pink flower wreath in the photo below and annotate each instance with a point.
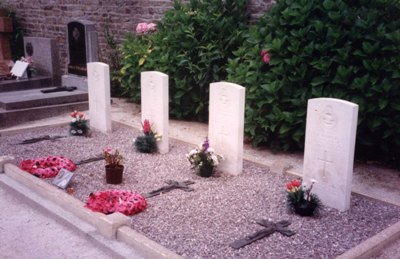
(48, 166)
(110, 201)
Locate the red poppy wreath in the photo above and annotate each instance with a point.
(110, 201)
(48, 166)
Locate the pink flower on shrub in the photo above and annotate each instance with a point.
(143, 28)
(265, 56)
(151, 27)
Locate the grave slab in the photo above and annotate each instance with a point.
(99, 96)
(44, 52)
(226, 124)
(329, 150)
(154, 102)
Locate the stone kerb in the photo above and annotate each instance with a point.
(5, 160)
(226, 124)
(99, 96)
(329, 150)
(155, 107)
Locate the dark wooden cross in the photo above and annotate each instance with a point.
(270, 228)
(42, 138)
(89, 160)
(171, 185)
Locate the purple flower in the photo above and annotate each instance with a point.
(206, 144)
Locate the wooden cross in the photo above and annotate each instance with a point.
(270, 228)
(171, 185)
(89, 160)
(42, 138)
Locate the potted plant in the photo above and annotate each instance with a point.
(147, 142)
(114, 168)
(204, 159)
(301, 199)
(78, 126)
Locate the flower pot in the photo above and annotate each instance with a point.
(114, 174)
(78, 131)
(305, 208)
(206, 170)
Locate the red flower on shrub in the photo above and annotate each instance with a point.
(265, 56)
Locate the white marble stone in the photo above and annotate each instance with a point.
(226, 124)
(99, 96)
(329, 150)
(154, 102)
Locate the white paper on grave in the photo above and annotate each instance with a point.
(19, 69)
(63, 178)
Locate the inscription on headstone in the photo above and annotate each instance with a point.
(329, 150)
(226, 124)
(154, 102)
(99, 96)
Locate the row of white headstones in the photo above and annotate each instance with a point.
(330, 129)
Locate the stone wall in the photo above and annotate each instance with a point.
(50, 18)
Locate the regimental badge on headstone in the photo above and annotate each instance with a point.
(63, 178)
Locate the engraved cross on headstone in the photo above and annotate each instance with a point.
(324, 159)
(270, 228)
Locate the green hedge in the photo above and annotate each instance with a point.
(333, 48)
(192, 45)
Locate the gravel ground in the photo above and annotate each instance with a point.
(202, 224)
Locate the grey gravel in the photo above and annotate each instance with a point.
(202, 224)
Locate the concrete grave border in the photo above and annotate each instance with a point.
(116, 226)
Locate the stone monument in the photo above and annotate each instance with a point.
(226, 124)
(82, 48)
(155, 107)
(99, 96)
(329, 150)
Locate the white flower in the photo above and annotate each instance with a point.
(210, 150)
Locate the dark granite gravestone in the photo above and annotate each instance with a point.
(82, 49)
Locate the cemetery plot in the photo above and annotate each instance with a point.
(204, 222)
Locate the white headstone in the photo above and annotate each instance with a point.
(226, 124)
(154, 102)
(19, 69)
(329, 150)
(99, 96)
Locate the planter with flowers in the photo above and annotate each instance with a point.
(204, 159)
(114, 168)
(147, 142)
(78, 126)
(301, 199)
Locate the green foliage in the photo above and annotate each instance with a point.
(16, 37)
(146, 143)
(192, 45)
(114, 59)
(135, 51)
(331, 48)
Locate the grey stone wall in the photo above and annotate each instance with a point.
(50, 18)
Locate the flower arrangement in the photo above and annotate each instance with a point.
(204, 158)
(78, 125)
(301, 199)
(110, 201)
(31, 69)
(147, 142)
(145, 28)
(113, 159)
